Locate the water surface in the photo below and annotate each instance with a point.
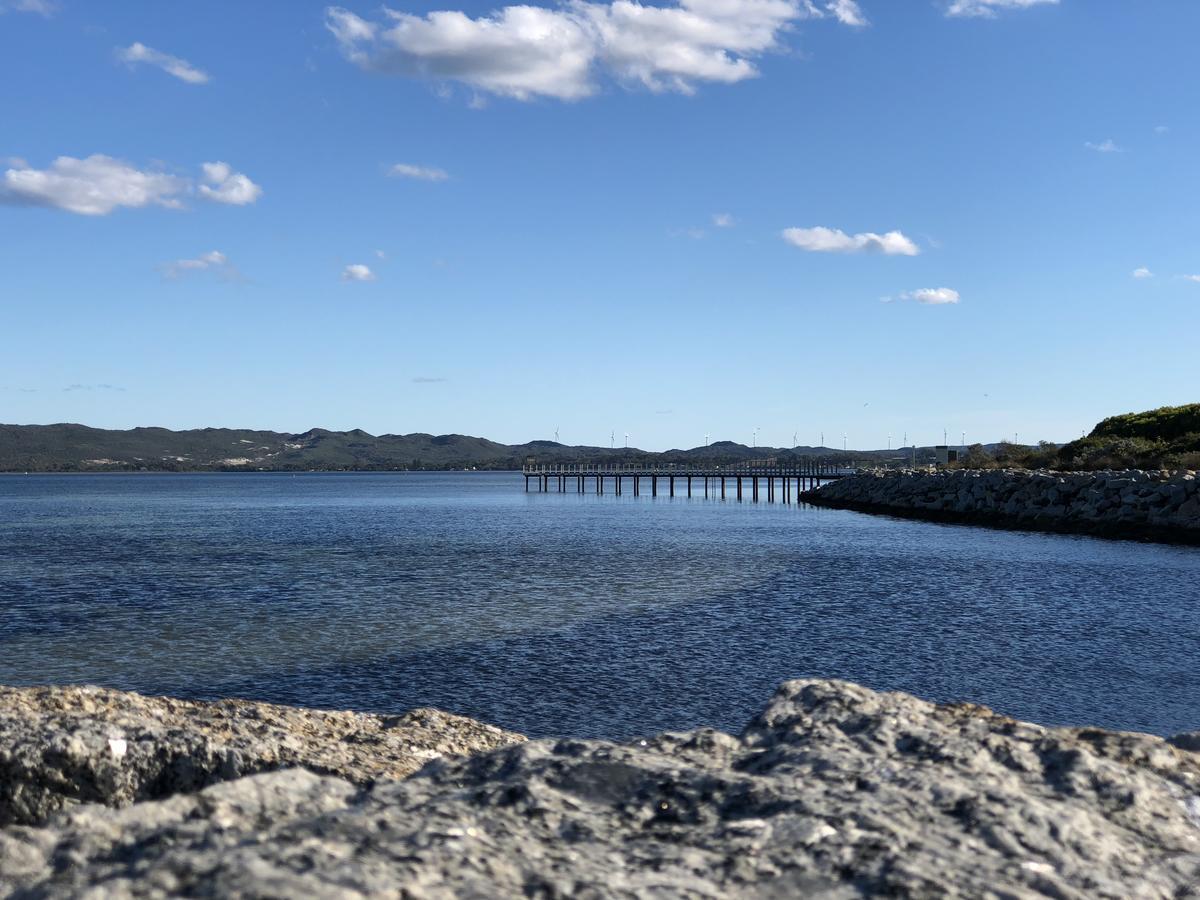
(573, 614)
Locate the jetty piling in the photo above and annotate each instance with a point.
(804, 473)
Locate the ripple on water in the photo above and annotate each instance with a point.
(567, 614)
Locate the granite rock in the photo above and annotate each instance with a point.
(834, 791)
(1141, 505)
(61, 746)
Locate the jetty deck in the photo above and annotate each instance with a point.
(756, 479)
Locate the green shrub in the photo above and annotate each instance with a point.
(1167, 423)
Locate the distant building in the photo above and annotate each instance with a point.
(945, 454)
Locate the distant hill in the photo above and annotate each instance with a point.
(78, 448)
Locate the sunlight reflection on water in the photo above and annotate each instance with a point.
(573, 614)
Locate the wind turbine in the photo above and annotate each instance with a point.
(795, 443)
(556, 434)
(627, 440)
(612, 440)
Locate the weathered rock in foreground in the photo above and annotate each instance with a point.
(834, 791)
(1161, 506)
(61, 746)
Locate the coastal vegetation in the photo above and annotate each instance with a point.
(1164, 438)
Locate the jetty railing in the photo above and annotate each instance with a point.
(805, 474)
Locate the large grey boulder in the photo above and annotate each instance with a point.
(60, 746)
(833, 791)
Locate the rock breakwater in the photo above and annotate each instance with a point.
(833, 791)
(1129, 504)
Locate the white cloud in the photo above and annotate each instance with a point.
(1195, 278)
(381, 254)
(986, 9)
(1162, 129)
(1105, 146)
(100, 184)
(45, 8)
(223, 185)
(832, 240)
(172, 65)
(357, 272)
(91, 187)
(722, 220)
(928, 296)
(847, 12)
(1142, 272)
(421, 173)
(214, 260)
(531, 51)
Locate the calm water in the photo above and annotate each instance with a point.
(575, 615)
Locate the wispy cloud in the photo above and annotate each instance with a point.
(426, 379)
(929, 296)
(420, 173)
(172, 65)
(1105, 146)
(1162, 129)
(986, 9)
(833, 240)
(92, 387)
(529, 51)
(45, 8)
(214, 261)
(1142, 272)
(847, 12)
(358, 272)
(1195, 278)
(722, 220)
(99, 184)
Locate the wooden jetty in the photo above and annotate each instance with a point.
(768, 478)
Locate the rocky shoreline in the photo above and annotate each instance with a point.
(1135, 505)
(832, 791)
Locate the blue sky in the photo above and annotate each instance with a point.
(670, 222)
